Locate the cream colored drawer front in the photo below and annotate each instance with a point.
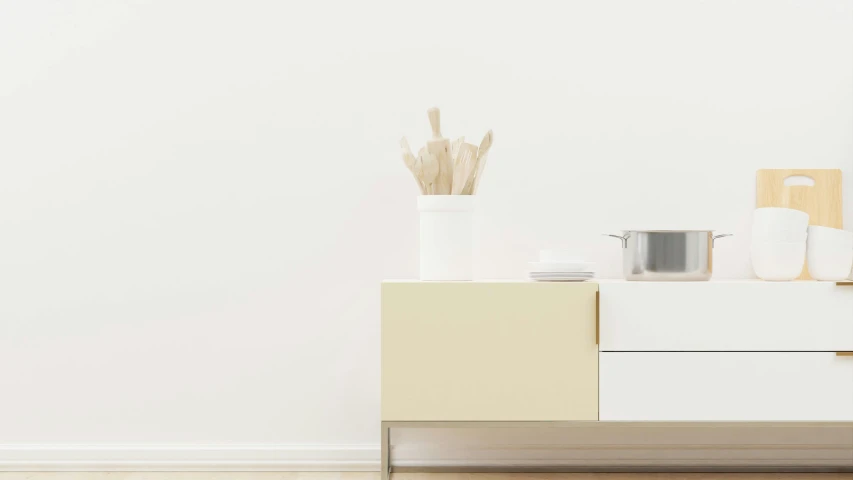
(726, 386)
(726, 316)
(489, 351)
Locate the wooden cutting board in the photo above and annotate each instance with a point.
(822, 201)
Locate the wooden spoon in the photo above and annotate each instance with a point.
(409, 159)
(431, 170)
(482, 155)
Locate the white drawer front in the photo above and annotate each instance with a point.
(725, 386)
(726, 316)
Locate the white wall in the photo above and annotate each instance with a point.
(199, 199)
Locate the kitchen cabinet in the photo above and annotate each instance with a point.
(726, 386)
(489, 351)
(726, 316)
(616, 354)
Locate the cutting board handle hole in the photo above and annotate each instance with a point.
(799, 180)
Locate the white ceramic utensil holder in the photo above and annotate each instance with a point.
(447, 237)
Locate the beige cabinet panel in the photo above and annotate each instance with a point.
(489, 351)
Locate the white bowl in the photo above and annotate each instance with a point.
(830, 264)
(820, 236)
(830, 253)
(773, 218)
(780, 235)
(778, 261)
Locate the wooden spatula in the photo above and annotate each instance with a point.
(463, 166)
(440, 148)
(454, 147)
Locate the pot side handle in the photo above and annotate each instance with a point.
(624, 238)
(715, 237)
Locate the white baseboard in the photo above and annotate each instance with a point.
(746, 447)
(165, 457)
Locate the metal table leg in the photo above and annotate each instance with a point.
(385, 473)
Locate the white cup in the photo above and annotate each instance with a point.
(778, 261)
(830, 253)
(446, 237)
(826, 235)
(770, 219)
(778, 235)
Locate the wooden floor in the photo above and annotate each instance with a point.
(412, 476)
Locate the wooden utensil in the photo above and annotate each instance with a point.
(463, 165)
(440, 147)
(454, 147)
(482, 155)
(418, 170)
(822, 201)
(430, 171)
(409, 159)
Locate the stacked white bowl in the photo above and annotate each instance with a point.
(830, 253)
(778, 249)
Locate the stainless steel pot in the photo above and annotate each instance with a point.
(668, 255)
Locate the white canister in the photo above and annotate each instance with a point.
(447, 237)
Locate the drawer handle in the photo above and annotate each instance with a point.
(845, 283)
(844, 354)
